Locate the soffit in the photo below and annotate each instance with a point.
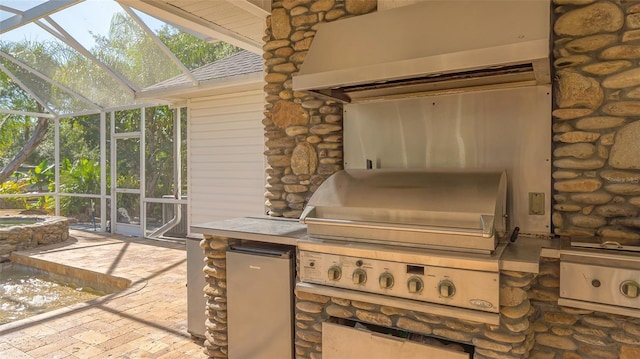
(238, 22)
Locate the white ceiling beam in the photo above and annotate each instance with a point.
(10, 9)
(35, 13)
(249, 7)
(180, 17)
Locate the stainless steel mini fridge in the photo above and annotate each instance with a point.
(260, 302)
(196, 302)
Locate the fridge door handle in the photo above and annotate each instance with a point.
(262, 251)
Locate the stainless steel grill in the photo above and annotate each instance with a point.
(605, 279)
(602, 274)
(464, 211)
(408, 236)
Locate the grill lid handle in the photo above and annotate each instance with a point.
(611, 244)
(308, 211)
(397, 227)
(486, 221)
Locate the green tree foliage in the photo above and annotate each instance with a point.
(28, 148)
(11, 95)
(80, 137)
(12, 187)
(192, 51)
(130, 52)
(20, 136)
(80, 176)
(13, 130)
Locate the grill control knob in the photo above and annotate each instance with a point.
(415, 285)
(630, 289)
(359, 276)
(334, 273)
(446, 288)
(386, 280)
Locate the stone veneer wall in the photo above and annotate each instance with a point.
(532, 325)
(49, 230)
(215, 270)
(596, 156)
(597, 105)
(596, 118)
(569, 333)
(596, 180)
(512, 339)
(596, 166)
(304, 133)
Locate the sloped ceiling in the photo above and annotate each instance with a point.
(238, 22)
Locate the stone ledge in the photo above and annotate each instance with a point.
(48, 230)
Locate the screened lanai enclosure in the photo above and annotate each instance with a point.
(92, 126)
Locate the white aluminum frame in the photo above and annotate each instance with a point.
(48, 79)
(40, 16)
(35, 13)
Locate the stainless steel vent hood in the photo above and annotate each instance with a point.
(431, 47)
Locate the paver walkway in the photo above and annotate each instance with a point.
(148, 320)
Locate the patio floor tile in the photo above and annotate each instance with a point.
(147, 320)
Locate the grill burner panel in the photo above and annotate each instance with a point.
(452, 279)
(606, 281)
(455, 287)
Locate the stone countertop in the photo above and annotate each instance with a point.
(259, 229)
(522, 255)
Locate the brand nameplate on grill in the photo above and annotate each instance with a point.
(480, 303)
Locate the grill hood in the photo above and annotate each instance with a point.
(460, 209)
(431, 47)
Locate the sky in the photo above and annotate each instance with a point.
(80, 20)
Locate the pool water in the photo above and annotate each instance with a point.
(26, 291)
(9, 222)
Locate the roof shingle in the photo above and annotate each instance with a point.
(241, 63)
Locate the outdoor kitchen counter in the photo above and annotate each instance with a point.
(259, 229)
(524, 254)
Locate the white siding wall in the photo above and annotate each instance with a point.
(225, 156)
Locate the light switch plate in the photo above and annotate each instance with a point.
(536, 203)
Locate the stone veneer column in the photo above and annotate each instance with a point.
(570, 333)
(215, 251)
(304, 133)
(513, 338)
(596, 118)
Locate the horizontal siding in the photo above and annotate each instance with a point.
(244, 134)
(237, 123)
(232, 99)
(230, 204)
(203, 152)
(225, 110)
(226, 161)
(218, 167)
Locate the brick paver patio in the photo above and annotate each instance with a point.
(147, 320)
